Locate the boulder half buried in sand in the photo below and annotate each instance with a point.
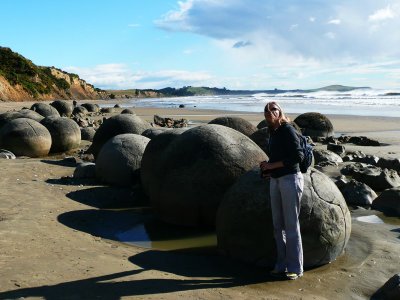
(244, 220)
(118, 162)
(25, 137)
(63, 107)
(187, 178)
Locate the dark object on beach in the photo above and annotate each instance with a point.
(91, 107)
(357, 193)
(185, 175)
(244, 220)
(389, 163)
(115, 125)
(338, 149)
(128, 111)
(169, 122)
(236, 123)
(25, 137)
(388, 202)
(181, 106)
(314, 124)
(65, 133)
(107, 110)
(118, 162)
(117, 106)
(390, 290)
(363, 141)
(87, 133)
(85, 170)
(80, 110)
(63, 107)
(45, 110)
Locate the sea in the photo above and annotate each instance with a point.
(360, 102)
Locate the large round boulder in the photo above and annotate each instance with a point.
(388, 202)
(315, 124)
(245, 229)
(44, 109)
(261, 138)
(91, 107)
(65, 133)
(236, 123)
(118, 162)
(87, 133)
(23, 113)
(187, 177)
(25, 137)
(80, 110)
(63, 107)
(119, 124)
(30, 114)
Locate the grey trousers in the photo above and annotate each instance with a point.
(285, 195)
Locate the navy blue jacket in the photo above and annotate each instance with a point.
(284, 145)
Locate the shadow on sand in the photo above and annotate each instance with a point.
(210, 269)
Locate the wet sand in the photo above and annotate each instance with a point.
(52, 247)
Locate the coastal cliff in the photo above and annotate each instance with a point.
(22, 80)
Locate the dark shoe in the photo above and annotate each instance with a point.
(293, 276)
(277, 274)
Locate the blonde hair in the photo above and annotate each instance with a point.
(282, 117)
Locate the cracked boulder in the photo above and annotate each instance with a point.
(315, 124)
(244, 220)
(186, 175)
(376, 178)
(357, 193)
(25, 137)
(321, 155)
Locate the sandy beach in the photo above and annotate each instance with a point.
(53, 246)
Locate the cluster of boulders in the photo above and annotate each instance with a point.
(208, 175)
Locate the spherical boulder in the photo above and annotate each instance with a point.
(128, 111)
(25, 137)
(244, 220)
(30, 114)
(65, 133)
(315, 124)
(115, 125)
(236, 123)
(91, 107)
(80, 110)
(118, 162)
(388, 202)
(261, 138)
(45, 110)
(186, 175)
(87, 133)
(63, 107)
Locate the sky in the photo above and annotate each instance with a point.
(236, 44)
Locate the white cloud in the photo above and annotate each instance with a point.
(119, 76)
(133, 25)
(382, 14)
(293, 27)
(335, 21)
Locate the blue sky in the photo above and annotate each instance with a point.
(235, 44)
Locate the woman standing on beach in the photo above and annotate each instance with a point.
(286, 188)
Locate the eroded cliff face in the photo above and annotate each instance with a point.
(78, 89)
